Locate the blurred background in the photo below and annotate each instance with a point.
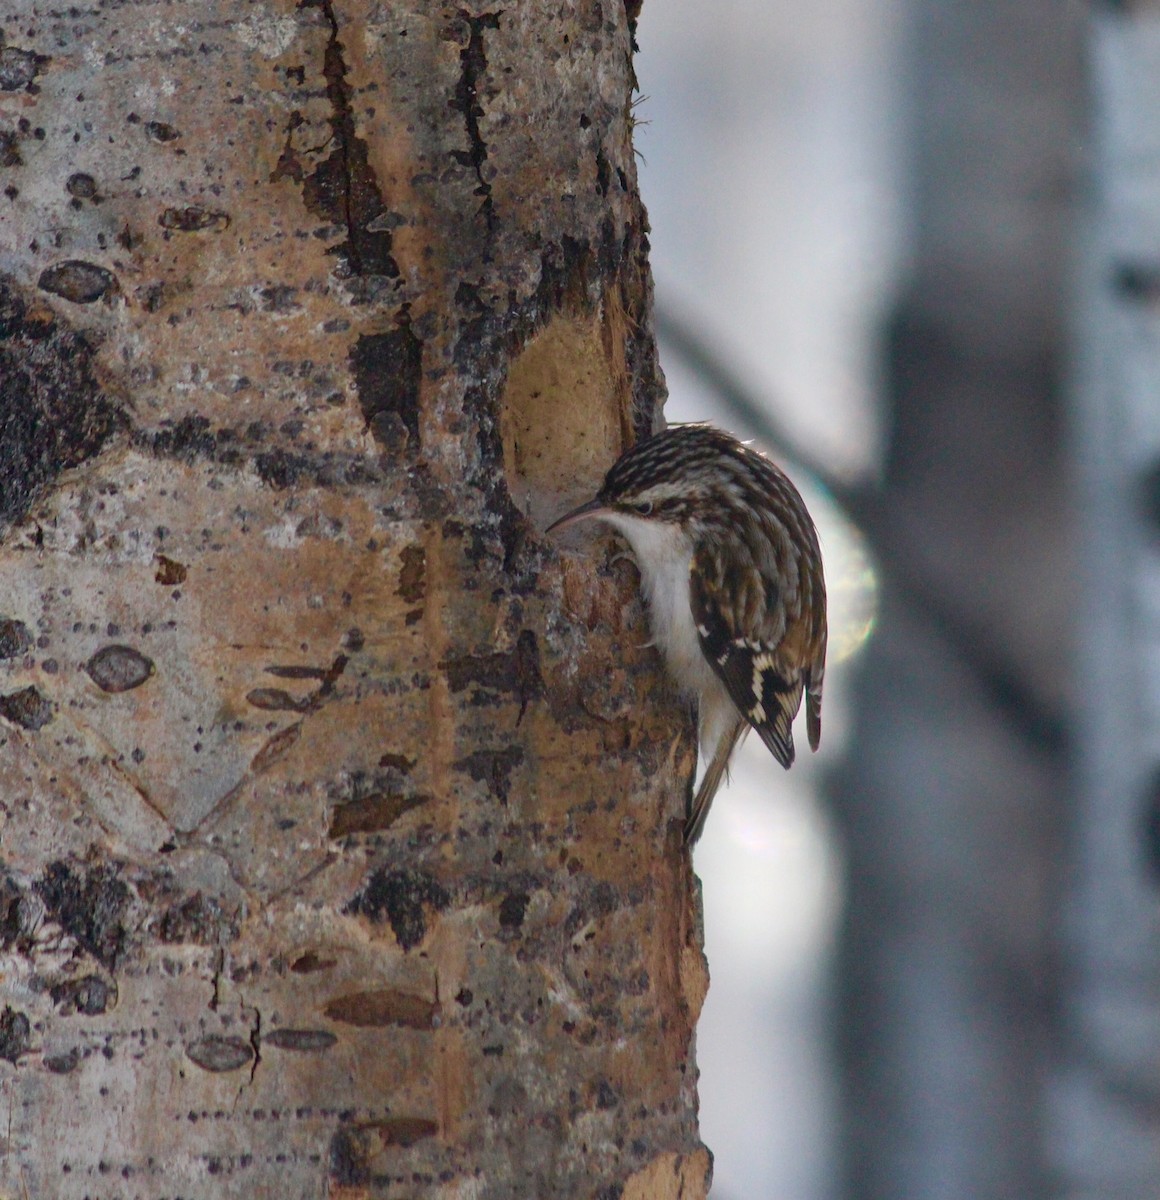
(913, 246)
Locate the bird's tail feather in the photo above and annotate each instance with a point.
(714, 773)
(814, 715)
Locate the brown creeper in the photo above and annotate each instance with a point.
(732, 572)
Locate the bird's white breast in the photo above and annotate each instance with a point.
(664, 553)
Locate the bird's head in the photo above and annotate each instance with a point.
(670, 478)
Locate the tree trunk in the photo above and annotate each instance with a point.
(340, 813)
(1104, 1121)
(952, 799)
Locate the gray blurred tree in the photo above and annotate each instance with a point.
(1105, 1119)
(953, 799)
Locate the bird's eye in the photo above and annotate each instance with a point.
(644, 508)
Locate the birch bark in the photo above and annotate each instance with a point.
(338, 810)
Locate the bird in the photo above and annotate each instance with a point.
(732, 574)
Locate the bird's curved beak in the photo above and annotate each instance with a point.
(592, 509)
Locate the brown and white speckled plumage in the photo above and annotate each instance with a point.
(732, 571)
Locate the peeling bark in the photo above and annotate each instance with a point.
(339, 811)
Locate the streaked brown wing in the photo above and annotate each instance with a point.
(766, 693)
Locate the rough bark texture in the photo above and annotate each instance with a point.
(339, 813)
